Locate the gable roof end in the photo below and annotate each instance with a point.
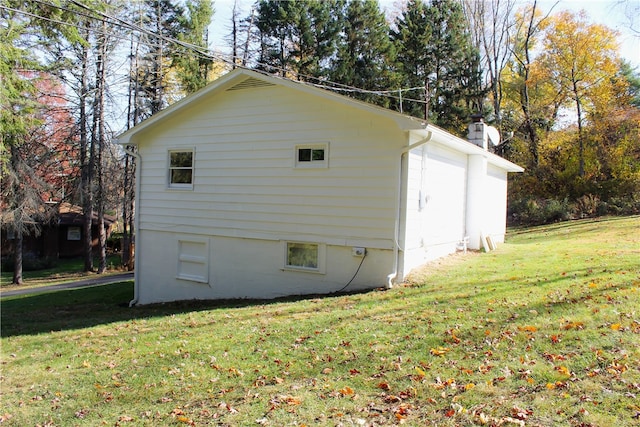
(240, 79)
(245, 79)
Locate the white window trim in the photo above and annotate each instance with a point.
(74, 233)
(322, 256)
(172, 186)
(313, 164)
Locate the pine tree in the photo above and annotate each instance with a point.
(163, 19)
(435, 50)
(298, 37)
(21, 187)
(274, 22)
(315, 37)
(455, 81)
(194, 67)
(365, 54)
(410, 36)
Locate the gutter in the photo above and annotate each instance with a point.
(396, 237)
(136, 223)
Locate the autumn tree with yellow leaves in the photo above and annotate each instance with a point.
(580, 59)
(570, 101)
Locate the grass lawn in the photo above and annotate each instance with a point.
(545, 331)
(65, 270)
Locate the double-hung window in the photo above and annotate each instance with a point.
(181, 167)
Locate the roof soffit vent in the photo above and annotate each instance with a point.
(250, 83)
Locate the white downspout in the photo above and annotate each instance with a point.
(396, 237)
(136, 223)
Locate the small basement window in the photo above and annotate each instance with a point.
(312, 156)
(304, 256)
(181, 168)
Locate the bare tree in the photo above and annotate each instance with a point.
(492, 25)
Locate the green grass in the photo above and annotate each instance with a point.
(545, 331)
(65, 270)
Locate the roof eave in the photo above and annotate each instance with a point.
(462, 145)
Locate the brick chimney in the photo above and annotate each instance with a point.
(478, 132)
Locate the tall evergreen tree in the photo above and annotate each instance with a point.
(21, 188)
(435, 50)
(456, 76)
(194, 67)
(410, 36)
(298, 37)
(274, 22)
(365, 54)
(163, 19)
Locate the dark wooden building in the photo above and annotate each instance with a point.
(61, 237)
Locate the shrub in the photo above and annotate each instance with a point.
(535, 211)
(623, 205)
(587, 206)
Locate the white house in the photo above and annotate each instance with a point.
(261, 187)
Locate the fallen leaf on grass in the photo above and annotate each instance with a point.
(290, 400)
(553, 357)
(236, 373)
(616, 326)
(392, 399)
(440, 351)
(401, 413)
(527, 328)
(346, 391)
(185, 420)
(78, 414)
(229, 408)
(521, 414)
(573, 325)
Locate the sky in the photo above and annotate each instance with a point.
(608, 12)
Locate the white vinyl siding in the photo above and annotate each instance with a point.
(246, 186)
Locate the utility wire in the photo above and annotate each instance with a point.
(206, 53)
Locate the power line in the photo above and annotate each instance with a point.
(205, 53)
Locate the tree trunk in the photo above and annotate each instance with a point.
(101, 139)
(85, 160)
(525, 101)
(580, 140)
(17, 259)
(245, 54)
